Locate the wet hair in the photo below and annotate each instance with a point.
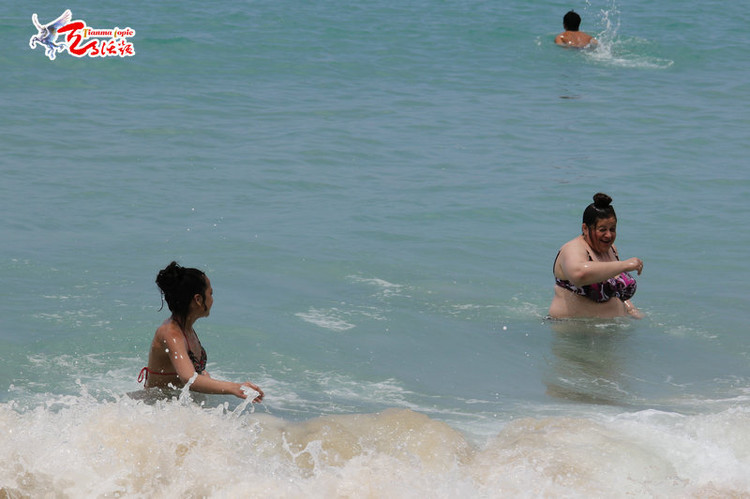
(571, 21)
(178, 286)
(601, 208)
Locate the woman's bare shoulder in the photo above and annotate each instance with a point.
(168, 330)
(576, 244)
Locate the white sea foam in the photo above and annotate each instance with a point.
(385, 288)
(174, 447)
(622, 53)
(340, 318)
(328, 319)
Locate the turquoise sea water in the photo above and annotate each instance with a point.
(377, 192)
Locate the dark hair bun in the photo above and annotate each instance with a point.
(179, 285)
(169, 277)
(601, 200)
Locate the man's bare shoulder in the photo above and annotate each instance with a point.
(575, 39)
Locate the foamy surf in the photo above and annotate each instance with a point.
(177, 448)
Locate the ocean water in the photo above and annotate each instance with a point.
(377, 192)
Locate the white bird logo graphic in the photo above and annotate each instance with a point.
(48, 34)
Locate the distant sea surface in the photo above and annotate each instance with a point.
(377, 192)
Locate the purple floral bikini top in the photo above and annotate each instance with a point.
(621, 286)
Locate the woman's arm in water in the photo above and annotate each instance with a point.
(174, 343)
(632, 310)
(580, 271)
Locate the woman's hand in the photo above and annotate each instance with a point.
(632, 311)
(634, 264)
(245, 388)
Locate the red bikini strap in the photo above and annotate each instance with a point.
(143, 375)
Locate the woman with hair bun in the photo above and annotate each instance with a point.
(590, 278)
(176, 354)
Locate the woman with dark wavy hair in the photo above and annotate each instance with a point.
(590, 278)
(176, 355)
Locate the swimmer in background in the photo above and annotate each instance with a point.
(176, 355)
(573, 38)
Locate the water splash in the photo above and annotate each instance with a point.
(625, 52)
(250, 395)
(185, 396)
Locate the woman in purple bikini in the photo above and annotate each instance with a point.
(172, 359)
(590, 278)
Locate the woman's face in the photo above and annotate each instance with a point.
(601, 236)
(206, 304)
